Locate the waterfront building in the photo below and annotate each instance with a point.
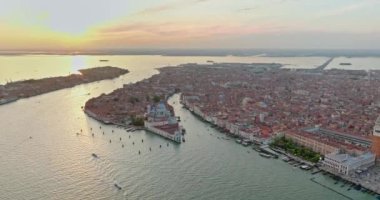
(160, 119)
(314, 143)
(346, 164)
(376, 139)
(343, 137)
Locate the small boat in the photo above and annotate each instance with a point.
(244, 143)
(183, 140)
(94, 155)
(305, 167)
(265, 155)
(358, 187)
(117, 186)
(256, 148)
(345, 63)
(238, 141)
(286, 159)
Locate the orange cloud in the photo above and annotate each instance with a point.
(182, 32)
(21, 37)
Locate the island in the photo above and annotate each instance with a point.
(323, 116)
(27, 88)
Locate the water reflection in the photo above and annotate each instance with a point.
(78, 62)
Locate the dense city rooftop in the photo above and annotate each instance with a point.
(256, 96)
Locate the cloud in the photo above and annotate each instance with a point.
(247, 9)
(347, 8)
(169, 6)
(171, 33)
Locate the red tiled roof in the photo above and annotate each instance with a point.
(169, 128)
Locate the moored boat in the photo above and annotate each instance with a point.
(285, 159)
(265, 155)
(244, 143)
(305, 167)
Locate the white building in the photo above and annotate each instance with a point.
(345, 164)
(161, 121)
(376, 128)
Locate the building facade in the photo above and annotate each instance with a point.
(346, 164)
(161, 121)
(312, 143)
(376, 139)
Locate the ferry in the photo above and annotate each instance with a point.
(161, 120)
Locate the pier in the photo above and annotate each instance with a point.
(325, 186)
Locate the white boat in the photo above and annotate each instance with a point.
(305, 167)
(286, 159)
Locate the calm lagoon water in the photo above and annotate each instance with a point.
(57, 164)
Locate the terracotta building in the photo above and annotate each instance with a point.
(376, 139)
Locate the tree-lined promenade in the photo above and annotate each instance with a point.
(295, 149)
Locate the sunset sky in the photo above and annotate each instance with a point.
(99, 24)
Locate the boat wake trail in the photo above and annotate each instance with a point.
(106, 172)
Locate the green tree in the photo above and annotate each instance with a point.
(156, 99)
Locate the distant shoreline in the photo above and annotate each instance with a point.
(14, 91)
(210, 52)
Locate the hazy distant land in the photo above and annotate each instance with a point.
(212, 52)
(13, 91)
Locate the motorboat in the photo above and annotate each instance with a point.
(117, 186)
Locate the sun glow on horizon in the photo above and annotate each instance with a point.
(72, 25)
(77, 63)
